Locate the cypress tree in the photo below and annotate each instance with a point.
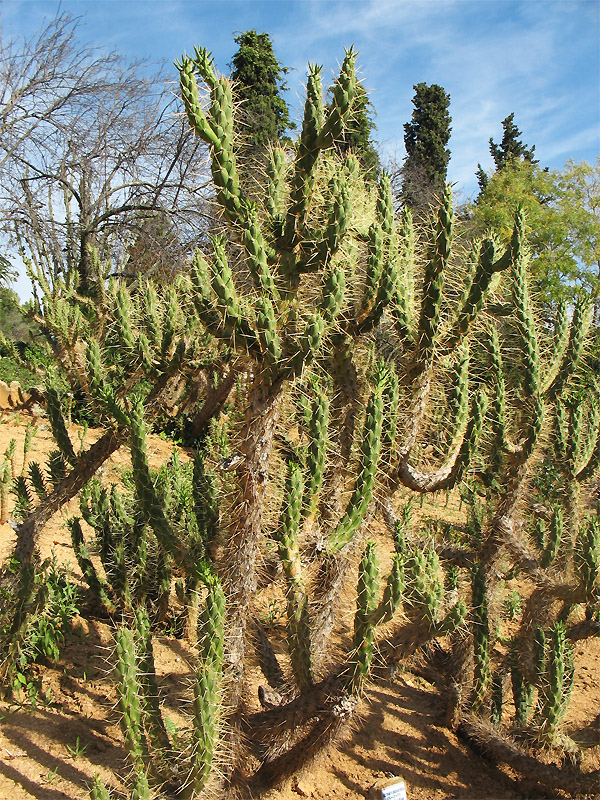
(258, 77)
(511, 148)
(425, 140)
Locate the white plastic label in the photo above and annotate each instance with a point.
(395, 792)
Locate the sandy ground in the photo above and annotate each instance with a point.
(54, 751)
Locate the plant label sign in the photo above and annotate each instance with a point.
(395, 792)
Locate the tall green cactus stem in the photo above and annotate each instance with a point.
(151, 505)
(497, 698)
(334, 286)
(481, 638)
(315, 463)
(374, 264)
(402, 308)
(385, 204)
(559, 344)
(433, 282)
(154, 725)
(215, 128)
(577, 334)
(308, 152)
(557, 682)
(473, 302)
(392, 594)
(522, 305)
(522, 694)
(98, 586)
(128, 692)
(391, 401)
(587, 559)
(365, 481)
(5, 484)
(366, 599)
(274, 200)
(206, 706)
(206, 507)
(424, 588)
(268, 337)
(554, 537)
(297, 602)
(59, 426)
(256, 251)
(342, 101)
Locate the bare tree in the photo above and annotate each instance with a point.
(92, 152)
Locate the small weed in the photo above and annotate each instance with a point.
(78, 750)
(51, 776)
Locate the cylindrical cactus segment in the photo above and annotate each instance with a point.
(153, 721)
(392, 594)
(152, 508)
(391, 401)
(309, 344)
(554, 537)
(128, 692)
(522, 694)
(475, 297)
(365, 481)
(297, 603)
(424, 587)
(318, 426)
(497, 698)
(533, 427)
(206, 507)
(459, 399)
(580, 324)
(274, 200)
(433, 282)
(334, 287)
(374, 264)
(385, 204)
(207, 689)
(340, 109)
(98, 586)
(587, 558)
(559, 345)
(472, 436)
(266, 327)
(308, 151)
(525, 322)
(256, 251)
(402, 248)
(574, 439)
(481, 638)
(366, 599)
(557, 681)
(141, 788)
(58, 424)
(191, 101)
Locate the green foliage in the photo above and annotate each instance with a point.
(561, 209)
(259, 80)
(425, 140)
(510, 149)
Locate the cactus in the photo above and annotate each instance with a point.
(556, 682)
(481, 638)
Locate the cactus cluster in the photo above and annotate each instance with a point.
(371, 361)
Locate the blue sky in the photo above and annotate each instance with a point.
(538, 58)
